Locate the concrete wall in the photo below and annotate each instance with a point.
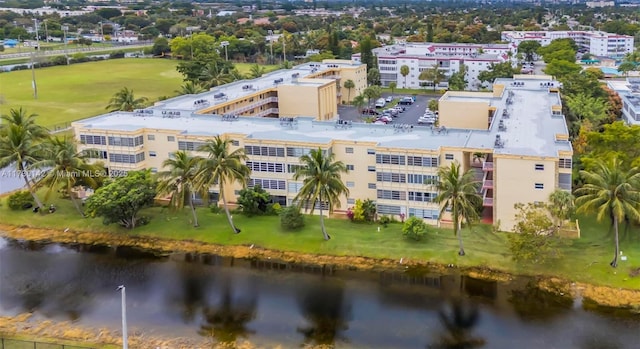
(465, 115)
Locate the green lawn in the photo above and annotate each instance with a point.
(584, 260)
(77, 91)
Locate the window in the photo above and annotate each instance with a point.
(421, 178)
(126, 158)
(274, 167)
(235, 143)
(152, 154)
(348, 150)
(350, 184)
(267, 183)
(294, 187)
(422, 161)
(564, 163)
(351, 201)
(391, 194)
(371, 151)
(539, 167)
(371, 185)
(421, 197)
(154, 170)
(126, 141)
(171, 139)
(293, 168)
(90, 139)
(264, 151)
(350, 167)
(184, 145)
(371, 168)
(539, 185)
(390, 159)
(297, 152)
(448, 156)
(428, 214)
(95, 154)
(564, 181)
(389, 209)
(391, 177)
(151, 137)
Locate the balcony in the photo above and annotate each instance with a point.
(487, 202)
(267, 112)
(487, 166)
(254, 105)
(487, 184)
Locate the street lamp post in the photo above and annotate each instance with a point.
(125, 344)
(225, 44)
(271, 45)
(284, 48)
(65, 28)
(46, 31)
(101, 32)
(33, 62)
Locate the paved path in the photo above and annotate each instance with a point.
(71, 51)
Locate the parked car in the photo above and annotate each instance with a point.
(399, 108)
(370, 111)
(389, 99)
(406, 101)
(386, 119)
(380, 103)
(425, 120)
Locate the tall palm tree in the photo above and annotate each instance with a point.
(215, 74)
(68, 167)
(349, 84)
(125, 100)
(610, 191)
(179, 181)
(20, 144)
(322, 182)
(459, 323)
(433, 74)
(458, 191)
(221, 167)
(190, 88)
(256, 71)
(359, 102)
(404, 71)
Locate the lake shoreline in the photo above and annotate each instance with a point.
(593, 295)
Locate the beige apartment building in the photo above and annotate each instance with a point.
(514, 138)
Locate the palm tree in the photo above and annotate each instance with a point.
(459, 323)
(372, 92)
(190, 88)
(322, 182)
(610, 191)
(561, 205)
(124, 100)
(404, 71)
(434, 74)
(221, 167)
(256, 71)
(20, 144)
(458, 192)
(67, 168)
(215, 74)
(359, 103)
(392, 86)
(349, 84)
(179, 181)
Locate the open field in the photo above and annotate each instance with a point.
(77, 91)
(586, 259)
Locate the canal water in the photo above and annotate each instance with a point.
(186, 295)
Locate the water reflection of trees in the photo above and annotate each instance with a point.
(535, 304)
(327, 311)
(227, 320)
(458, 320)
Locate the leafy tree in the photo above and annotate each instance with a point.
(616, 140)
(433, 105)
(190, 88)
(322, 182)
(457, 81)
(125, 100)
(614, 105)
(560, 55)
(222, 167)
(291, 218)
(414, 228)
(610, 191)
(559, 45)
(349, 84)
(626, 67)
(583, 106)
(359, 103)
(533, 240)
(561, 206)
(529, 48)
(458, 191)
(584, 82)
(373, 76)
(68, 168)
(433, 74)
(393, 86)
(20, 144)
(495, 71)
(404, 71)
(179, 181)
(561, 68)
(121, 199)
(596, 72)
(372, 93)
(366, 53)
(216, 74)
(160, 46)
(364, 211)
(253, 201)
(198, 44)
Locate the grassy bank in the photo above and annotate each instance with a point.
(77, 91)
(584, 260)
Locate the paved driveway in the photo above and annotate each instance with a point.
(410, 116)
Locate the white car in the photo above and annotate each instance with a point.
(389, 99)
(425, 120)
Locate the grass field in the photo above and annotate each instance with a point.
(585, 259)
(77, 91)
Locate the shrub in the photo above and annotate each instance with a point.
(20, 200)
(274, 209)
(253, 201)
(116, 54)
(384, 220)
(414, 228)
(214, 208)
(291, 218)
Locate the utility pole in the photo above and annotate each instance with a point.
(33, 62)
(65, 28)
(271, 45)
(46, 31)
(125, 344)
(284, 48)
(225, 44)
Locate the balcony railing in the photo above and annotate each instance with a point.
(267, 112)
(487, 202)
(487, 166)
(487, 184)
(254, 105)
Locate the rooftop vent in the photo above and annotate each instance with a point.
(501, 126)
(499, 143)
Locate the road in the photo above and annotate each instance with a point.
(71, 51)
(410, 116)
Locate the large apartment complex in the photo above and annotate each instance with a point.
(449, 57)
(629, 92)
(597, 43)
(514, 138)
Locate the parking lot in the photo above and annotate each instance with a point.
(410, 116)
